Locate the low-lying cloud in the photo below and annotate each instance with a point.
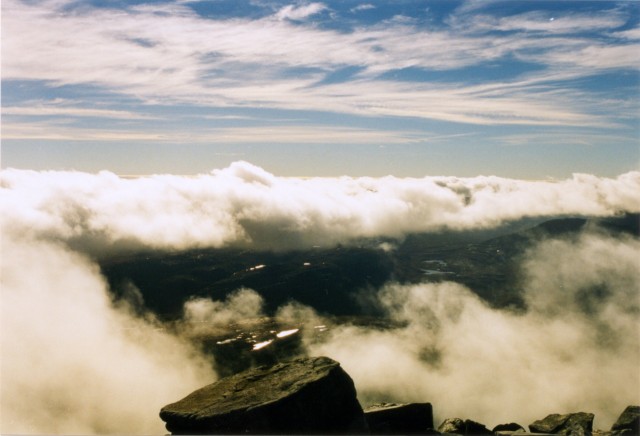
(244, 205)
(203, 316)
(73, 361)
(577, 347)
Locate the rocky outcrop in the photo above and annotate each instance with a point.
(392, 418)
(302, 396)
(628, 422)
(466, 427)
(571, 424)
(316, 396)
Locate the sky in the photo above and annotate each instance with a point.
(529, 90)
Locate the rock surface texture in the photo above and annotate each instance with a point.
(571, 424)
(302, 396)
(628, 422)
(392, 418)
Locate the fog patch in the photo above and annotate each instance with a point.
(72, 363)
(296, 314)
(206, 317)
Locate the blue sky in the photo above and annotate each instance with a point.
(410, 88)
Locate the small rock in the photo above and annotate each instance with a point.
(571, 424)
(628, 420)
(452, 425)
(511, 427)
(466, 427)
(391, 418)
(306, 395)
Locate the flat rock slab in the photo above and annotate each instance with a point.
(306, 395)
(392, 418)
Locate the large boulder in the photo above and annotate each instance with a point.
(392, 418)
(306, 395)
(628, 421)
(466, 427)
(571, 424)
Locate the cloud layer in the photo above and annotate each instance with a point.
(243, 205)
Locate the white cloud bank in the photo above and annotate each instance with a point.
(73, 362)
(244, 205)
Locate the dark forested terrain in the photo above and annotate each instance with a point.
(334, 280)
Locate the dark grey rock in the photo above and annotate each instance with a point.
(473, 428)
(517, 433)
(391, 418)
(571, 424)
(466, 427)
(452, 425)
(511, 427)
(306, 395)
(628, 420)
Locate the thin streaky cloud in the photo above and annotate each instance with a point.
(579, 138)
(292, 12)
(39, 111)
(542, 22)
(363, 7)
(56, 132)
(226, 135)
(142, 70)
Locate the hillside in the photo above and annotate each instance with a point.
(332, 280)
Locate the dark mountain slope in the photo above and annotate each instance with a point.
(325, 279)
(333, 280)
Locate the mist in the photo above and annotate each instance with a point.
(576, 348)
(75, 361)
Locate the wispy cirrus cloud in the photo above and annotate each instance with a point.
(286, 134)
(576, 137)
(48, 110)
(363, 7)
(542, 22)
(270, 62)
